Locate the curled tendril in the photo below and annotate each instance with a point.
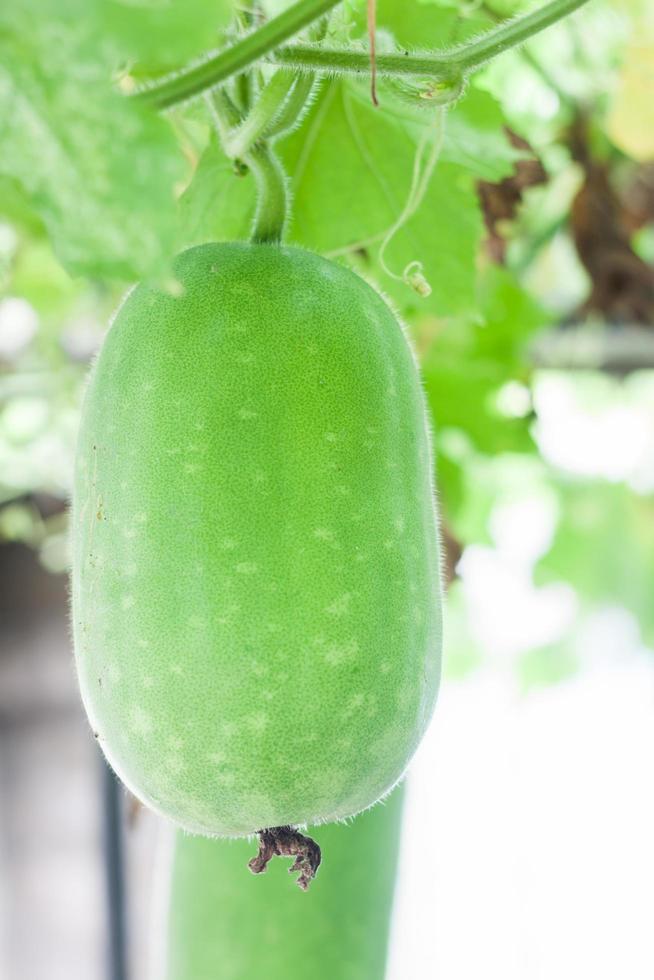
(423, 170)
(414, 276)
(425, 93)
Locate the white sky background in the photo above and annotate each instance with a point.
(528, 841)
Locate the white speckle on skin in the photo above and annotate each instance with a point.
(148, 682)
(174, 764)
(177, 669)
(384, 667)
(257, 723)
(127, 601)
(129, 533)
(326, 535)
(339, 653)
(355, 703)
(143, 644)
(225, 778)
(340, 606)
(246, 414)
(247, 568)
(140, 721)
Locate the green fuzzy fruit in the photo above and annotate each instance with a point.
(221, 924)
(256, 596)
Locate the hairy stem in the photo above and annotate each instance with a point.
(272, 194)
(292, 109)
(510, 33)
(200, 77)
(439, 65)
(268, 41)
(267, 108)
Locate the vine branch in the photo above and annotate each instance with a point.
(183, 85)
(442, 65)
(269, 40)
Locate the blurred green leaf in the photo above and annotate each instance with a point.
(99, 170)
(351, 167)
(604, 546)
(162, 33)
(218, 204)
(548, 665)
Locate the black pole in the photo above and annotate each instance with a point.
(114, 874)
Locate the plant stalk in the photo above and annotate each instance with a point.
(205, 75)
(267, 108)
(268, 42)
(439, 65)
(272, 193)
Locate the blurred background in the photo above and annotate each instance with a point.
(527, 848)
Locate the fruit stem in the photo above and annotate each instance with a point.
(268, 107)
(272, 194)
(291, 111)
(288, 842)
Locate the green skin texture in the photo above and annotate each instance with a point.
(256, 585)
(223, 924)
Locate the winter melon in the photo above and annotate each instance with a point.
(256, 595)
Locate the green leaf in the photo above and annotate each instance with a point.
(475, 137)
(218, 204)
(548, 665)
(510, 318)
(604, 546)
(99, 170)
(467, 362)
(162, 33)
(351, 167)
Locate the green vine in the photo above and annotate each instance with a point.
(263, 113)
(252, 47)
(269, 40)
(258, 156)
